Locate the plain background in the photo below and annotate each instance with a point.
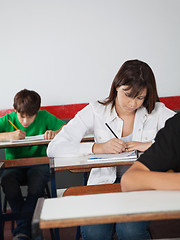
(70, 50)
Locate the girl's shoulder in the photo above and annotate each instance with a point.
(100, 108)
(161, 111)
(160, 107)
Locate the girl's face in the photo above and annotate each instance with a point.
(25, 120)
(128, 104)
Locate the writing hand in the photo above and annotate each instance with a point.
(17, 135)
(114, 145)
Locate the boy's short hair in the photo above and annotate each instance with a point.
(27, 102)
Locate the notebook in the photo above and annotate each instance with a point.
(132, 155)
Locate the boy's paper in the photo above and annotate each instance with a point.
(121, 156)
(30, 138)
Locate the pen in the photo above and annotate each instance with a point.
(13, 124)
(111, 130)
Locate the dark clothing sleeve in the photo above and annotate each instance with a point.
(164, 154)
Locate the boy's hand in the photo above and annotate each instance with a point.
(17, 135)
(49, 134)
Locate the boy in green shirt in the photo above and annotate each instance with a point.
(29, 121)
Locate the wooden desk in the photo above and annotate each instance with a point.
(92, 209)
(21, 162)
(92, 189)
(24, 161)
(79, 163)
(23, 143)
(73, 163)
(28, 161)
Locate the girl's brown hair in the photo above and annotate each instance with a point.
(137, 76)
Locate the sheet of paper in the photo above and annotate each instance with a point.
(30, 138)
(123, 156)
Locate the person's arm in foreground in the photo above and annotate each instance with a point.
(150, 171)
(139, 177)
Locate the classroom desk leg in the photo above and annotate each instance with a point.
(54, 194)
(53, 183)
(85, 176)
(52, 178)
(36, 231)
(1, 220)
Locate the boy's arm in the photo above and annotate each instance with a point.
(15, 135)
(139, 177)
(6, 133)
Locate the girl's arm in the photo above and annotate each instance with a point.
(68, 140)
(140, 146)
(114, 145)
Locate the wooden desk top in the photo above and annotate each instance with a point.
(73, 163)
(25, 162)
(92, 209)
(92, 189)
(28, 161)
(23, 143)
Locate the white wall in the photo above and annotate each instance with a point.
(70, 50)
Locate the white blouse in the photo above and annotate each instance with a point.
(92, 119)
(120, 170)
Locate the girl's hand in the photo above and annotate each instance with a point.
(140, 146)
(16, 135)
(114, 145)
(49, 134)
